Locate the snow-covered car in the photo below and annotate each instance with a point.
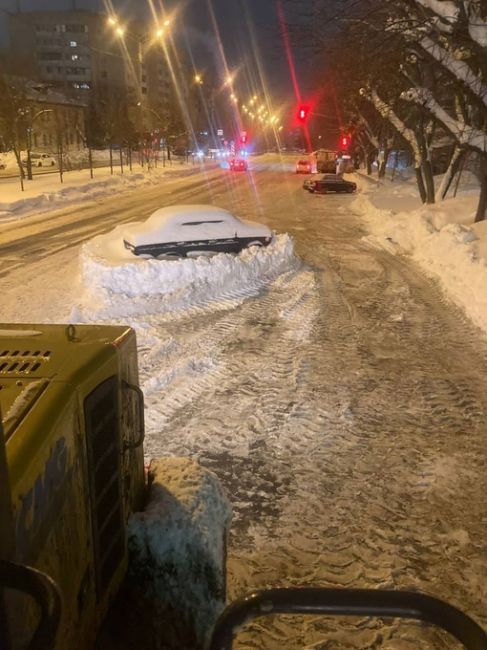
(40, 160)
(331, 183)
(238, 165)
(181, 230)
(303, 167)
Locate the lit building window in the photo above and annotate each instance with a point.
(73, 44)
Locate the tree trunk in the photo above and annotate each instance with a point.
(369, 161)
(60, 157)
(420, 181)
(111, 159)
(449, 175)
(19, 164)
(90, 161)
(382, 168)
(427, 170)
(481, 213)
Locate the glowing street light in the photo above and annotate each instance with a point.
(229, 80)
(120, 31)
(112, 21)
(198, 79)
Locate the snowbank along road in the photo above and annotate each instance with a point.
(341, 400)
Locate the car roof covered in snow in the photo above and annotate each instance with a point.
(179, 214)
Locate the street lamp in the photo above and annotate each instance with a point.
(198, 79)
(120, 30)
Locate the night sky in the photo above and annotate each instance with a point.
(248, 29)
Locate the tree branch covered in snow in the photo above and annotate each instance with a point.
(465, 134)
(446, 10)
(459, 69)
(387, 112)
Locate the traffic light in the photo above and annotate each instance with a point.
(303, 113)
(243, 137)
(344, 141)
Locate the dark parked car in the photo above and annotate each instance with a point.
(331, 183)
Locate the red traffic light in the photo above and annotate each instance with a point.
(303, 113)
(243, 139)
(344, 141)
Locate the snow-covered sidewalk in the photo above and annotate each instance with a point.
(442, 238)
(45, 192)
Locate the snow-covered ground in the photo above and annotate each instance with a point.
(45, 192)
(334, 391)
(442, 238)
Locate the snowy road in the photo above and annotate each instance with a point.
(343, 405)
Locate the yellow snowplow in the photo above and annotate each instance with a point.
(72, 466)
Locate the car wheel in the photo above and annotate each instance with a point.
(52, 163)
(39, 164)
(254, 244)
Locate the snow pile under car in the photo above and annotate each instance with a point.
(119, 284)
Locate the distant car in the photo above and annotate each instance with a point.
(238, 165)
(40, 160)
(331, 183)
(303, 167)
(182, 230)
